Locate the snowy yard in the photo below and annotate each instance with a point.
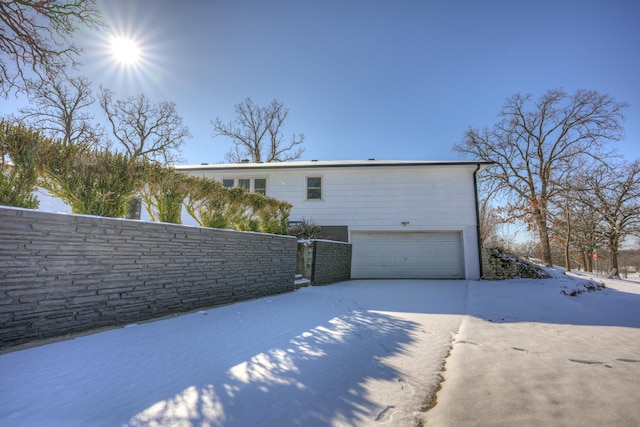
(357, 353)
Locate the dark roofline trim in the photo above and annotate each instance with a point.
(309, 165)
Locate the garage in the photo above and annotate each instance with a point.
(407, 255)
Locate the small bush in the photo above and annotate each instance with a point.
(164, 193)
(213, 205)
(305, 230)
(92, 181)
(19, 153)
(586, 287)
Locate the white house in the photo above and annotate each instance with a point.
(405, 219)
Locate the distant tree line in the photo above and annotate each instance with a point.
(555, 170)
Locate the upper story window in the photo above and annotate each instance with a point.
(314, 188)
(258, 185)
(245, 183)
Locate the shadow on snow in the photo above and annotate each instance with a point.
(313, 379)
(303, 358)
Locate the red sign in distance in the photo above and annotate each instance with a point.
(595, 255)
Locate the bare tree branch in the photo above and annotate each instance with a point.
(257, 134)
(153, 132)
(613, 191)
(35, 38)
(59, 109)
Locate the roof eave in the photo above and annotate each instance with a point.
(330, 164)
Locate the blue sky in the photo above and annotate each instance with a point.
(382, 79)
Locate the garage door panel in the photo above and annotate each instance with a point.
(386, 248)
(414, 247)
(429, 255)
(373, 261)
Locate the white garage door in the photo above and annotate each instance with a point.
(407, 255)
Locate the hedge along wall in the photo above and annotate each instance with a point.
(61, 274)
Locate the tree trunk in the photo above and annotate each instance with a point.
(545, 246)
(588, 267)
(567, 260)
(567, 240)
(613, 248)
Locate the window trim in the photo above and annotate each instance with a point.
(321, 188)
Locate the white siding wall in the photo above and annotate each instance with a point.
(378, 197)
(430, 198)
(371, 198)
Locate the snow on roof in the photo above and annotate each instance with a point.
(331, 164)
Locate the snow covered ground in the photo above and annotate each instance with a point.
(367, 352)
(525, 356)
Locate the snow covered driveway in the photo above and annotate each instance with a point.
(359, 353)
(354, 353)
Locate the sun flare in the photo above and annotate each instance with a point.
(125, 51)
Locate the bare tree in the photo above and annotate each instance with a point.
(257, 134)
(35, 38)
(584, 235)
(490, 222)
(567, 224)
(562, 221)
(153, 132)
(616, 197)
(534, 148)
(59, 109)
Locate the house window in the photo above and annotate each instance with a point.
(260, 185)
(244, 183)
(314, 188)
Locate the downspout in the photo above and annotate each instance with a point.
(475, 190)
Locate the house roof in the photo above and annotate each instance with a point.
(329, 164)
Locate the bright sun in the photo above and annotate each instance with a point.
(125, 51)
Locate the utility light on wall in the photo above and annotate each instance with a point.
(405, 222)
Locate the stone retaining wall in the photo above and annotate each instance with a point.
(62, 274)
(324, 261)
(331, 262)
(497, 265)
